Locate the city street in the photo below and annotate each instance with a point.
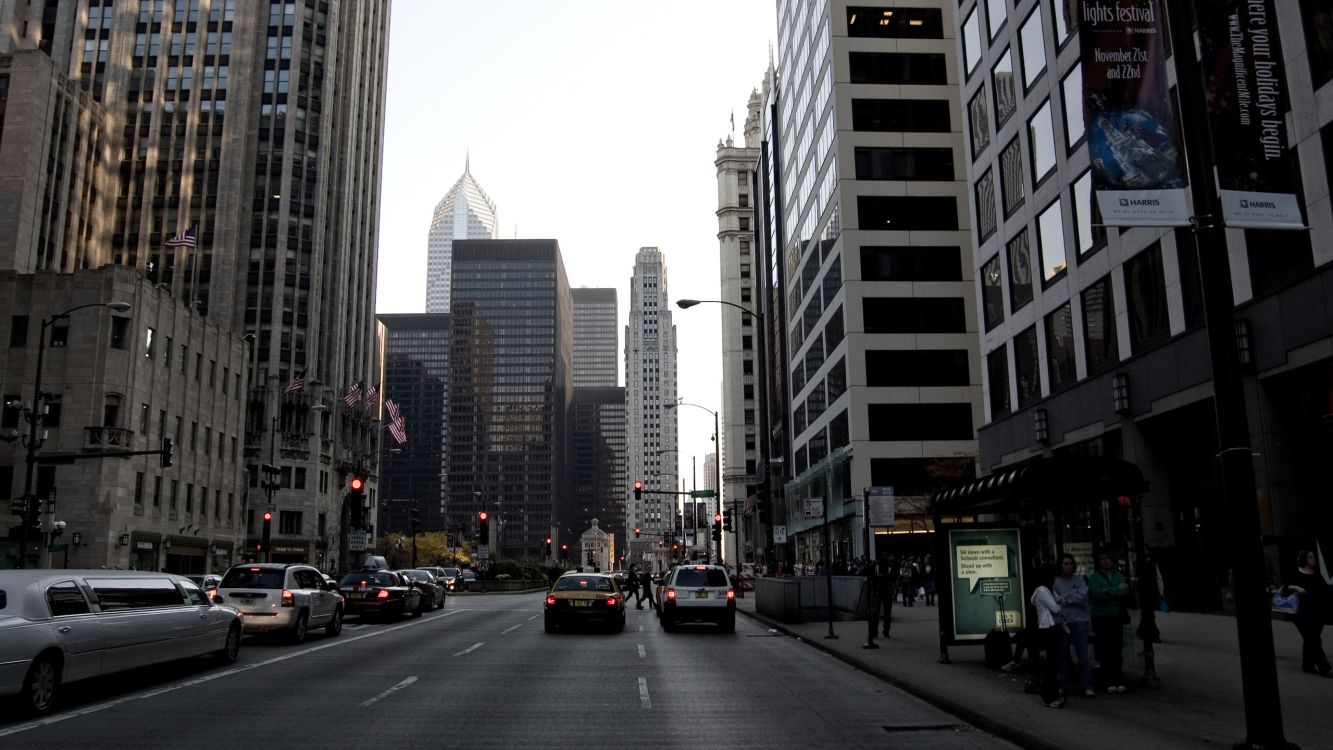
(482, 673)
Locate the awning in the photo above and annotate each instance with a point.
(1043, 482)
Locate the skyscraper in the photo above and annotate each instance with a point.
(596, 320)
(650, 384)
(416, 378)
(465, 213)
(597, 427)
(246, 161)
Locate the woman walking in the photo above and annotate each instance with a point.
(1309, 585)
(1109, 596)
(1050, 635)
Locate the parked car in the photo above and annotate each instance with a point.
(432, 592)
(699, 593)
(380, 592)
(281, 598)
(61, 626)
(585, 599)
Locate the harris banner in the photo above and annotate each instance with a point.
(1246, 91)
(1138, 168)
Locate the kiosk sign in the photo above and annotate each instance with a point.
(986, 581)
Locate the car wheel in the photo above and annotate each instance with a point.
(231, 648)
(335, 625)
(42, 684)
(301, 628)
(421, 608)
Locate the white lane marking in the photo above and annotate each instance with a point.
(213, 676)
(530, 619)
(643, 693)
(641, 651)
(471, 648)
(391, 690)
(512, 629)
(640, 628)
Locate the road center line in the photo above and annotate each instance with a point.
(642, 654)
(213, 676)
(391, 690)
(512, 629)
(643, 693)
(471, 648)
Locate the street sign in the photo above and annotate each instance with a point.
(356, 541)
(779, 534)
(814, 507)
(481, 565)
(881, 508)
(703, 493)
(483, 554)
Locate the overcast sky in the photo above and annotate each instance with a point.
(594, 123)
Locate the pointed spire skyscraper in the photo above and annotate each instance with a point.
(465, 213)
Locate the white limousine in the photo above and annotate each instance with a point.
(59, 626)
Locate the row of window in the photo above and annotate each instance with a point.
(174, 499)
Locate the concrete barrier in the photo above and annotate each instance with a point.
(796, 599)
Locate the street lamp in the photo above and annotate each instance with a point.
(35, 419)
(717, 468)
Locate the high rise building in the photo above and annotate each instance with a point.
(650, 384)
(510, 375)
(867, 257)
(741, 385)
(465, 213)
(244, 163)
(416, 378)
(596, 324)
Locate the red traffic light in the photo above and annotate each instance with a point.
(717, 518)
(638, 485)
(548, 540)
(356, 484)
(268, 515)
(483, 515)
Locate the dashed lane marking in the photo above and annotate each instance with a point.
(512, 628)
(391, 691)
(471, 648)
(643, 693)
(642, 653)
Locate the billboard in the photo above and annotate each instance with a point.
(986, 577)
(1246, 91)
(1138, 166)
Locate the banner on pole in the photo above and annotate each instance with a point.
(1138, 168)
(1246, 90)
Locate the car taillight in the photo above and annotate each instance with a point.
(671, 594)
(383, 594)
(550, 601)
(610, 601)
(288, 599)
(731, 594)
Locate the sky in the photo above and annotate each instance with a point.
(594, 123)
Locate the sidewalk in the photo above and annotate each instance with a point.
(1197, 704)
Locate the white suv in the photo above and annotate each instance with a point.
(698, 593)
(274, 597)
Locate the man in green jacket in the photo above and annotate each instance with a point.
(1108, 595)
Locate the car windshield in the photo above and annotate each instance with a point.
(686, 577)
(451, 571)
(418, 575)
(371, 578)
(252, 578)
(583, 583)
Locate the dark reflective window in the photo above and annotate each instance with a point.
(114, 594)
(1099, 338)
(901, 115)
(1012, 188)
(997, 372)
(1060, 346)
(916, 367)
(897, 23)
(1025, 365)
(1146, 304)
(987, 219)
(1006, 93)
(978, 120)
(897, 68)
(918, 263)
(65, 598)
(992, 293)
(914, 315)
(904, 164)
(907, 213)
(921, 422)
(1020, 271)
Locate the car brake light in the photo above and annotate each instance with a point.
(550, 601)
(610, 601)
(288, 599)
(701, 567)
(383, 594)
(731, 594)
(671, 594)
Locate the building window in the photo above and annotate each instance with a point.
(972, 41)
(1025, 364)
(299, 482)
(175, 497)
(120, 332)
(836, 380)
(899, 68)
(914, 315)
(289, 522)
(978, 118)
(917, 263)
(111, 411)
(904, 164)
(1276, 258)
(59, 333)
(1087, 217)
(984, 195)
(1020, 271)
(157, 493)
(1065, 21)
(1145, 288)
(144, 412)
(1072, 86)
(1051, 243)
(900, 23)
(1318, 17)
(892, 368)
(1034, 48)
(920, 422)
(995, 16)
(189, 499)
(907, 213)
(54, 406)
(1012, 187)
(992, 293)
(18, 331)
(9, 414)
(138, 491)
(1099, 337)
(1191, 285)
(1006, 93)
(1060, 367)
(149, 338)
(1041, 141)
(901, 115)
(997, 375)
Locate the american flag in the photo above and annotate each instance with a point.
(353, 394)
(396, 425)
(297, 382)
(399, 434)
(371, 393)
(183, 238)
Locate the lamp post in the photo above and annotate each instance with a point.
(717, 472)
(35, 419)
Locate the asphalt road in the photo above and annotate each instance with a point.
(482, 673)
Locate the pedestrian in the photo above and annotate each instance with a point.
(907, 581)
(1071, 593)
(631, 584)
(1108, 596)
(1051, 632)
(645, 590)
(928, 574)
(881, 577)
(1309, 585)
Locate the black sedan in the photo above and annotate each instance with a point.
(432, 591)
(380, 592)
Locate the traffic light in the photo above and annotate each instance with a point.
(416, 516)
(548, 546)
(356, 501)
(717, 527)
(266, 543)
(636, 532)
(726, 520)
(638, 490)
(166, 451)
(564, 552)
(484, 527)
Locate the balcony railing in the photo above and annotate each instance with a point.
(107, 439)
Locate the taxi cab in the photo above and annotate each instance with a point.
(585, 598)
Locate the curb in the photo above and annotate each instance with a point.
(1011, 732)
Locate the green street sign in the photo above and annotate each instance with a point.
(703, 493)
